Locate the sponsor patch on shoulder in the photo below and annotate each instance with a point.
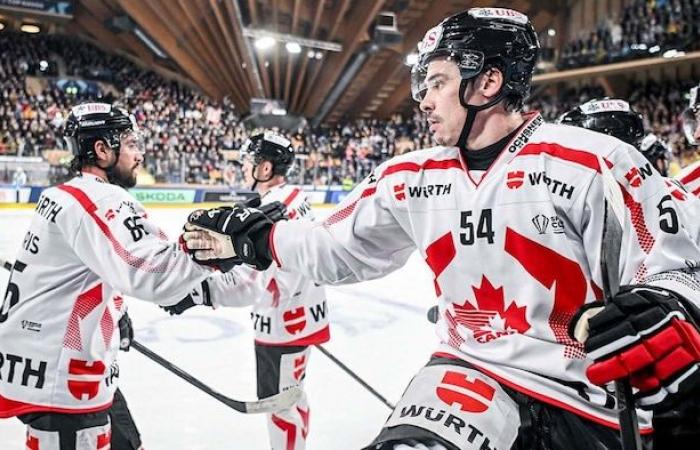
(609, 105)
(430, 40)
(510, 15)
(91, 108)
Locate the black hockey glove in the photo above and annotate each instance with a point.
(645, 334)
(126, 332)
(205, 251)
(232, 234)
(198, 296)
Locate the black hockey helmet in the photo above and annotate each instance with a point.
(691, 116)
(270, 146)
(478, 39)
(90, 122)
(609, 116)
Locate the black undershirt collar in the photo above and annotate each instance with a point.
(483, 158)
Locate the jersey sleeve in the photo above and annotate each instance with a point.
(236, 288)
(360, 240)
(115, 240)
(657, 246)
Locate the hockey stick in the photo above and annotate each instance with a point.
(273, 403)
(610, 270)
(276, 402)
(355, 376)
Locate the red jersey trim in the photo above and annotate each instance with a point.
(11, 408)
(580, 157)
(290, 198)
(124, 254)
(543, 398)
(689, 178)
(318, 337)
(271, 245)
(429, 164)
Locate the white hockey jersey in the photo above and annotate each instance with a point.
(514, 255)
(690, 177)
(289, 308)
(89, 243)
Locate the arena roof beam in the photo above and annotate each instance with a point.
(235, 57)
(394, 65)
(311, 85)
(176, 21)
(362, 15)
(149, 20)
(246, 50)
(210, 44)
(298, 86)
(91, 17)
(290, 58)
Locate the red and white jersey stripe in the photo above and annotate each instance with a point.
(690, 177)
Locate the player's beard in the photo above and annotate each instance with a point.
(122, 177)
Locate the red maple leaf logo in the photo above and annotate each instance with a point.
(490, 319)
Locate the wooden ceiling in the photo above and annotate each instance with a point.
(204, 42)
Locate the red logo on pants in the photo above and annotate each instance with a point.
(453, 385)
(87, 378)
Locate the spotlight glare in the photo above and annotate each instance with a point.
(29, 28)
(293, 47)
(265, 43)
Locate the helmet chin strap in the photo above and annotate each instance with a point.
(472, 111)
(257, 180)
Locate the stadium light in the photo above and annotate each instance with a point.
(2, 26)
(30, 28)
(293, 47)
(265, 42)
(552, 32)
(258, 35)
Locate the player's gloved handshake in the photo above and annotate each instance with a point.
(231, 235)
(647, 335)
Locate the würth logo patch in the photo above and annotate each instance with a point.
(515, 179)
(400, 191)
(633, 177)
(472, 395)
(294, 320)
(85, 378)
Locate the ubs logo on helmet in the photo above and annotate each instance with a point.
(430, 40)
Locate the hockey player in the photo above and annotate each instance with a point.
(508, 213)
(88, 244)
(679, 427)
(289, 310)
(690, 175)
(615, 117)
